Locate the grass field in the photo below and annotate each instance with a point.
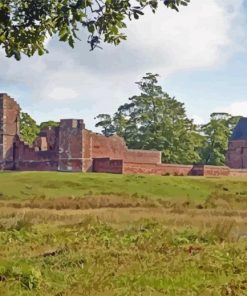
(101, 234)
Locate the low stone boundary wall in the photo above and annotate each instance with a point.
(238, 173)
(107, 165)
(157, 169)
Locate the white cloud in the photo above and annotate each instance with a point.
(62, 94)
(237, 108)
(202, 35)
(198, 119)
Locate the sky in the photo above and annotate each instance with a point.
(200, 54)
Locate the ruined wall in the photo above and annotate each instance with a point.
(30, 159)
(142, 156)
(1, 132)
(106, 165)
(87, 142)
(9, 128)
(48, 139)
(70, 145)
(114, 147)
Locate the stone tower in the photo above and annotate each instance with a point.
(236, 157)
(9, 129)
(70, 145)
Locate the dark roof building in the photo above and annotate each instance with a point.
(240, 131)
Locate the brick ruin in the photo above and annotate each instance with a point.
(237, 148)
(70, 147)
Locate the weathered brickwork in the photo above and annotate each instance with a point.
(236, 157)
(70, 147)
(9, 130)
(107, 165)
(157, 169)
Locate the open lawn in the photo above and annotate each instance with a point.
(26, 185)
(101, 234)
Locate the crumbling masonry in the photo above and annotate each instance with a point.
(70, 147)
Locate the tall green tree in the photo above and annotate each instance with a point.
(28, 128)
(216, 134)
(105, 122)
(26, 24)
(155, 121)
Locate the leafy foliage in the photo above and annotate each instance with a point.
(155, 121)
(216, 134)
(28, 128)
(105, 122)
(47, 124)
(25, 25)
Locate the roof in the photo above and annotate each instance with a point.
(240, 131)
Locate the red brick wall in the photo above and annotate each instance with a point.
(238, 173)
(157, 169)
(9, 128)
(27, 159)
(106, 165)
(142, 156)
(87, 141)
(183, 170)
(50, 136)
(236, 157)
(216, 171)
(70, 145)
(114, 147)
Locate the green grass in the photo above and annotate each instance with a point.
(97, 258)
(25, 185)
(64, 234)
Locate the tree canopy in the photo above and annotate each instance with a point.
(26, 24)
(28, 128)
(216, 134)
(153, 120)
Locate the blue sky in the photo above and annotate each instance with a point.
(212, 90)
(200, 53)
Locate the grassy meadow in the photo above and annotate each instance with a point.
(102, 234)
